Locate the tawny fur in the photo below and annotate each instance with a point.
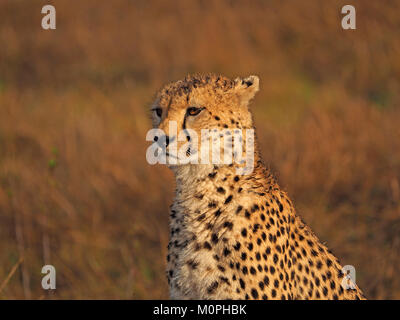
(237, 236)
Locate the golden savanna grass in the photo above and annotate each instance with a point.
(76, 190)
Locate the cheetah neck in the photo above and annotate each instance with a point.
(209, 195)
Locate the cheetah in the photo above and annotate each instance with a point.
(236, 236)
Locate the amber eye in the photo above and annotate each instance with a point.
(193, 111)
(158, 111)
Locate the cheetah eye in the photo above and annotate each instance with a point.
(193, 111)
(158, 111)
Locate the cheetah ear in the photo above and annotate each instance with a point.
(246, 88)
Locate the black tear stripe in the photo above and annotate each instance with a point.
(184, 121)
(184, 127)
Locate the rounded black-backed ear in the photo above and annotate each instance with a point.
(246, 88)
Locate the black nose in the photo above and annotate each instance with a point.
(163, 138)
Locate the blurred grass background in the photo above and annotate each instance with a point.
(75, 189)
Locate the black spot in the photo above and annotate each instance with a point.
(242, 284)
(272, 270)
(236, 178)
(239, 208)
(263, 236)
(212, 287)
(237, 246)
(214, 238)
(244, 232)
(221, 190)
(212, 204)
(192, 264)
(217, 118)
(254, 293)
(224, 279)
(207, 245)
(300, 267)
(212, 175)
(228, 224)
(227, 252)
(229, 199)
(255, 208)
(314, 253)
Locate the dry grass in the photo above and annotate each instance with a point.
(75, 189)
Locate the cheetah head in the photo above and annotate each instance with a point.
(184, 110)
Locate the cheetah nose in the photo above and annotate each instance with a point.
(162, 141)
